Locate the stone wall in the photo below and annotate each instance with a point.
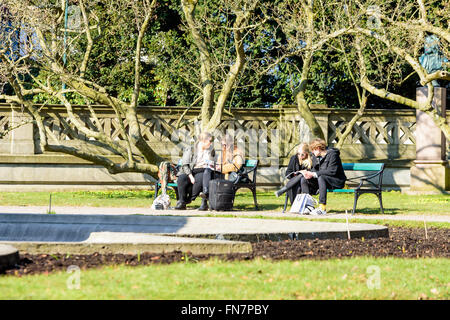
(270, 135)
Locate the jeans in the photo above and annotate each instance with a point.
(320, 184)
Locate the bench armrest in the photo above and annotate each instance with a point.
(366, 179)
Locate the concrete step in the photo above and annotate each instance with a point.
(9, 256)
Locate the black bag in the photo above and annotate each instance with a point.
(240, 176)
(221, 195)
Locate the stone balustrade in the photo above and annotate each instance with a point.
(270, 135)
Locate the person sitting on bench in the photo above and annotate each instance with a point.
(194, 175)
(300, 161)
(231, 158)
(327, 173)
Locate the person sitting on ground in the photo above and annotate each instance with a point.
(300, 161)
(327, 173)
(193, 178)
(231, 158)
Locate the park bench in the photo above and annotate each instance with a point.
(371, 182)
(248, 170)
(250, 167)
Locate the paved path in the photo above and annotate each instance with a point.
(194, 212)
(133, 230)
(125, 230)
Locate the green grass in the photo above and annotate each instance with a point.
(258, 279)
(356, 278)
(123, 198)
(395, 203)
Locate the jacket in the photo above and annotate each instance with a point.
(189, 158)
(232, 162)
(330, 165)
(293, 166)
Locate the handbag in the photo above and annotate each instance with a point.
(240, 176)
(162, 202)
(304, 203)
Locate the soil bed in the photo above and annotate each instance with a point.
(402, 242)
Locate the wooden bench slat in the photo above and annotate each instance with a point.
(342, 190)
(363, 166)
(170, 184)
(250, 163)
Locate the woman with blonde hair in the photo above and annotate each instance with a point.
(298, 162)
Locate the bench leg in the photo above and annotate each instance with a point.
(285, 203)
(176, 192)
(354, 202)
(254, 198)
(381, 202)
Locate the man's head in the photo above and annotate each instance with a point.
(318, 147)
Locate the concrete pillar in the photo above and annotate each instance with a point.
(21, 138)
(431, 172)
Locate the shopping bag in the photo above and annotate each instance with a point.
(303, 204)
(162, 202)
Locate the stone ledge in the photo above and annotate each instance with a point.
(9, 256)
(134, 248)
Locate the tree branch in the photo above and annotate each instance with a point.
(137, 59)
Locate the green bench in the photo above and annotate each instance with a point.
(250, 166)
(371, 182)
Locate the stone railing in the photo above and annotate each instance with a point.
(267, 134)
(379, 134)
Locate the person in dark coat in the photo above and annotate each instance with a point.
(300, 161)
(326, 173)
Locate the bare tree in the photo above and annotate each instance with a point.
(45, 39)
(398, 30)
(217, 66)
(309, 26)
(351, 63)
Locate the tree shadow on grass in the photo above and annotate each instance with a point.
(266, 202)
(374, 211)
(261, 207)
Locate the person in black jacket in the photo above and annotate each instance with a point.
(327, 173)
(300, 161)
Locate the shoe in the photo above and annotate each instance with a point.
(204, 194)
(180, 206)
(318, 212)
(280, 192)
(204, 205)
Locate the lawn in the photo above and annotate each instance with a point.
(351, 278)
(356, 278)
(395, 203)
